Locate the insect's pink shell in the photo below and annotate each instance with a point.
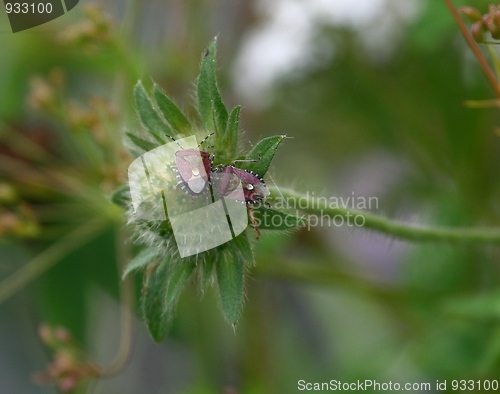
(187, 160)
(254, 187)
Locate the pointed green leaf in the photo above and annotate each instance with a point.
(272, 219)
(206, 272)
(263, 152)
(143, 258)
(229, 146)
(121, 196)
(242, 245)
(148, 115)
(230, 278)
(153, 302)
(210, 105)
(163, 288)
(172, 113)
(146, 146)
(178, 275)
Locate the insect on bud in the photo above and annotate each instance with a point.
(471, 13)
(477, 31)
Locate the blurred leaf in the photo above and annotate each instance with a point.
(272, 219)
(148, 115)
(484, 306)
(230, 138)
(206, 273)
(432, 28)
(121, 196)
(172, 113)
(163, 288)
(178, 275)
(146, 146)
(143, 258)
(230, 278)
(263, 152)
(243, 247)
(153, 302)
(212, 109)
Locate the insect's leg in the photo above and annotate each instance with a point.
(173, 139)
(204, 139)
(251, 215)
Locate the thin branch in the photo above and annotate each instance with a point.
(316, 206)
(475, 48)
(49, 257)
(127, 305)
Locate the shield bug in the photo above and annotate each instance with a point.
(193, 170)
(193, 167)
(227, 180)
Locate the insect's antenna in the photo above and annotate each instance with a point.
(204, 139)
(248, 160)
(245, 161)
(277, 188)
(173, 139)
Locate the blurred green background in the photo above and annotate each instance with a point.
(372, 94)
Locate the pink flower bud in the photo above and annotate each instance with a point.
(471, 13)
(477, 32)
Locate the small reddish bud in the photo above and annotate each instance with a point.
(485, 19)
(477, 31)
(492, 10)
(494, 29)
(63, 335)
(46, 334)
(471, 13)
(497, 17)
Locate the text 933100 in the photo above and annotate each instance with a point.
(28, 8)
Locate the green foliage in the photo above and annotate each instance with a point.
(227, 262)
(141, 143)
(161, 293)
(263, 153)
(153, 302)
(121, 196)
(143, 258)
(148, 115)
(171, 112)
(230, 137)
(230, 277)
(212, 110)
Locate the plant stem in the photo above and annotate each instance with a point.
(127, 305)
(320, 206)
(475, 48)
(49, 257)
